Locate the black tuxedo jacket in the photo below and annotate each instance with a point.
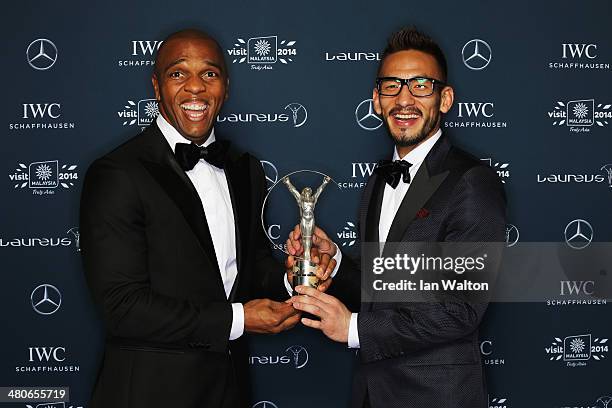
(425, 354)
(150, 264)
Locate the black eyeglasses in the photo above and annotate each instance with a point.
(418, 86)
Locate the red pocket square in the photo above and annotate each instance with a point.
(422, 213)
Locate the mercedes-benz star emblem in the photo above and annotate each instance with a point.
(366, 117)
(264, 404)
(578, 234)
(46, 299)
(476, 54)
(41, 54)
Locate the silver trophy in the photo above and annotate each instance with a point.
(304, 269)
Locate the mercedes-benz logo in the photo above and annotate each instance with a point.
(512, 235)
(298, 117)
(366, 117)
(264, 404)
(476, 54)
(300, 356)
(46, 299)
(270, 172)
(41, 54)
(578, 234)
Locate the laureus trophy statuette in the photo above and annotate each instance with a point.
(304, 269)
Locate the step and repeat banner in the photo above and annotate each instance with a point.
(533, 84)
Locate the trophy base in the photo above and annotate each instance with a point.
(304, 274)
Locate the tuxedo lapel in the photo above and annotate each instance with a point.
(420, 190)
(370, 218)
(164, 169)
(374, 198)
(238, 176)
(427, 180)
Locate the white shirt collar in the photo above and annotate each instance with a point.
(418, 154)
(173, 136)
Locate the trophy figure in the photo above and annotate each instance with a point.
(304, 269)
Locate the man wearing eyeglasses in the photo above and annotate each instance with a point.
(412, 354)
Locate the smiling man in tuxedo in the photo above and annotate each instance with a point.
(416, 355)
(173, 248)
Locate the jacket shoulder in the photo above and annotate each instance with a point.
(129, 149)
(464, 163)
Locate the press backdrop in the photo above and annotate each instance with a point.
(533, 100)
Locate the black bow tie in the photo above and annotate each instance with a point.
(187, 155)
(393, 170)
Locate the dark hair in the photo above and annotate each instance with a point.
(409, 38)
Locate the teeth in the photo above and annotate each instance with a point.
(194, 106)
(406, 116)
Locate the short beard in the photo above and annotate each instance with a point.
(416, 139)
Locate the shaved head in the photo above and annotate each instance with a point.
(190, 82)
(187, 34)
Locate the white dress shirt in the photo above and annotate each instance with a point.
(392, 199)
(211, 184)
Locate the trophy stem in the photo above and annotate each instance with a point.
(304, 274)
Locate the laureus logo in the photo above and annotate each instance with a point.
(607, 169)
(605, 177)
(49, 241)
(299, 114)
(512, 235)
(300, 356)
(74, 231)
(295, 355)
(294, 114)
(270, 172)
